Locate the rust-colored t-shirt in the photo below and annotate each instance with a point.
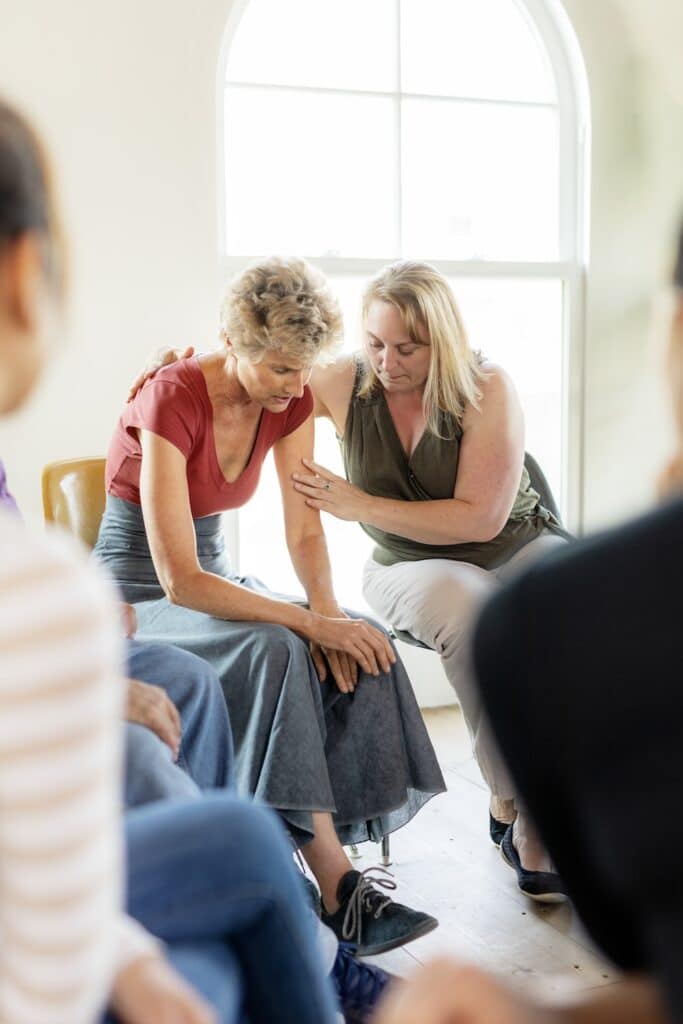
(175, 404)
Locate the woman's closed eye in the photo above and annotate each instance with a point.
(402, 350)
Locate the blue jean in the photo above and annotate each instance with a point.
(206, 759)
(214, 879)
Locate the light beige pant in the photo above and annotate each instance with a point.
(436, 600)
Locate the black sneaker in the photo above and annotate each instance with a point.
(358, 985)
(370, 919)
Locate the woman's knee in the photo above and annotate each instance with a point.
(277, 645)
(205, 684)
(441, 611)
(231, 820)
(189, 665)
(162, 663)
(143, 748)
(149, 771)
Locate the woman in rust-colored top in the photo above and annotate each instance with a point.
(326, 726)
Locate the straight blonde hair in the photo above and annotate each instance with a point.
(422, 295)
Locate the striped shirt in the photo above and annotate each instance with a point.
(62, 935)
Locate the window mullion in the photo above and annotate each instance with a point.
(328, 90)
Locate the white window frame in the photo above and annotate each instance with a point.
(557, 34)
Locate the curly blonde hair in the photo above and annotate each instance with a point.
(281, 305)
(422, 295)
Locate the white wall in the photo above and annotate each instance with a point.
(633, 52)
(125, 95)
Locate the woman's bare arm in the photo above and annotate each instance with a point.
(303, 529)
(308, 551)
(170, 533)
(489, 471)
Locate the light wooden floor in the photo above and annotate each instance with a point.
(445, 863)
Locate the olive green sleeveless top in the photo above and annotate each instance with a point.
(375, 461)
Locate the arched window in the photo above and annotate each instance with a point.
(456, 131)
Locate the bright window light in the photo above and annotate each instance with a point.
(357, 132)
(323, 44)
(310, 173)
(480, 181)
(477, 49)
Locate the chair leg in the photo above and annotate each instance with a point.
(354, 852)
(386, 852)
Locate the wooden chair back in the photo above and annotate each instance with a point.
(74, 496)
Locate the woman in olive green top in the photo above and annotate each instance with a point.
(433, 442)
(432, 437)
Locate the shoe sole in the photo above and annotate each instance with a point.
(544, 897)
(384, 947)
(549, 897)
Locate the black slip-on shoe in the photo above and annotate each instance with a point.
(497, 829)
(370, 919)
(542, 886)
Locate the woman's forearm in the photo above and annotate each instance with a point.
(446, 521)
(311, 563)
(214, 595)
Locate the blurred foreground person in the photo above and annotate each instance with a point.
(212, 878)
(580, 665)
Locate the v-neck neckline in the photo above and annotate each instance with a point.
(220, 475)
(397, 440)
